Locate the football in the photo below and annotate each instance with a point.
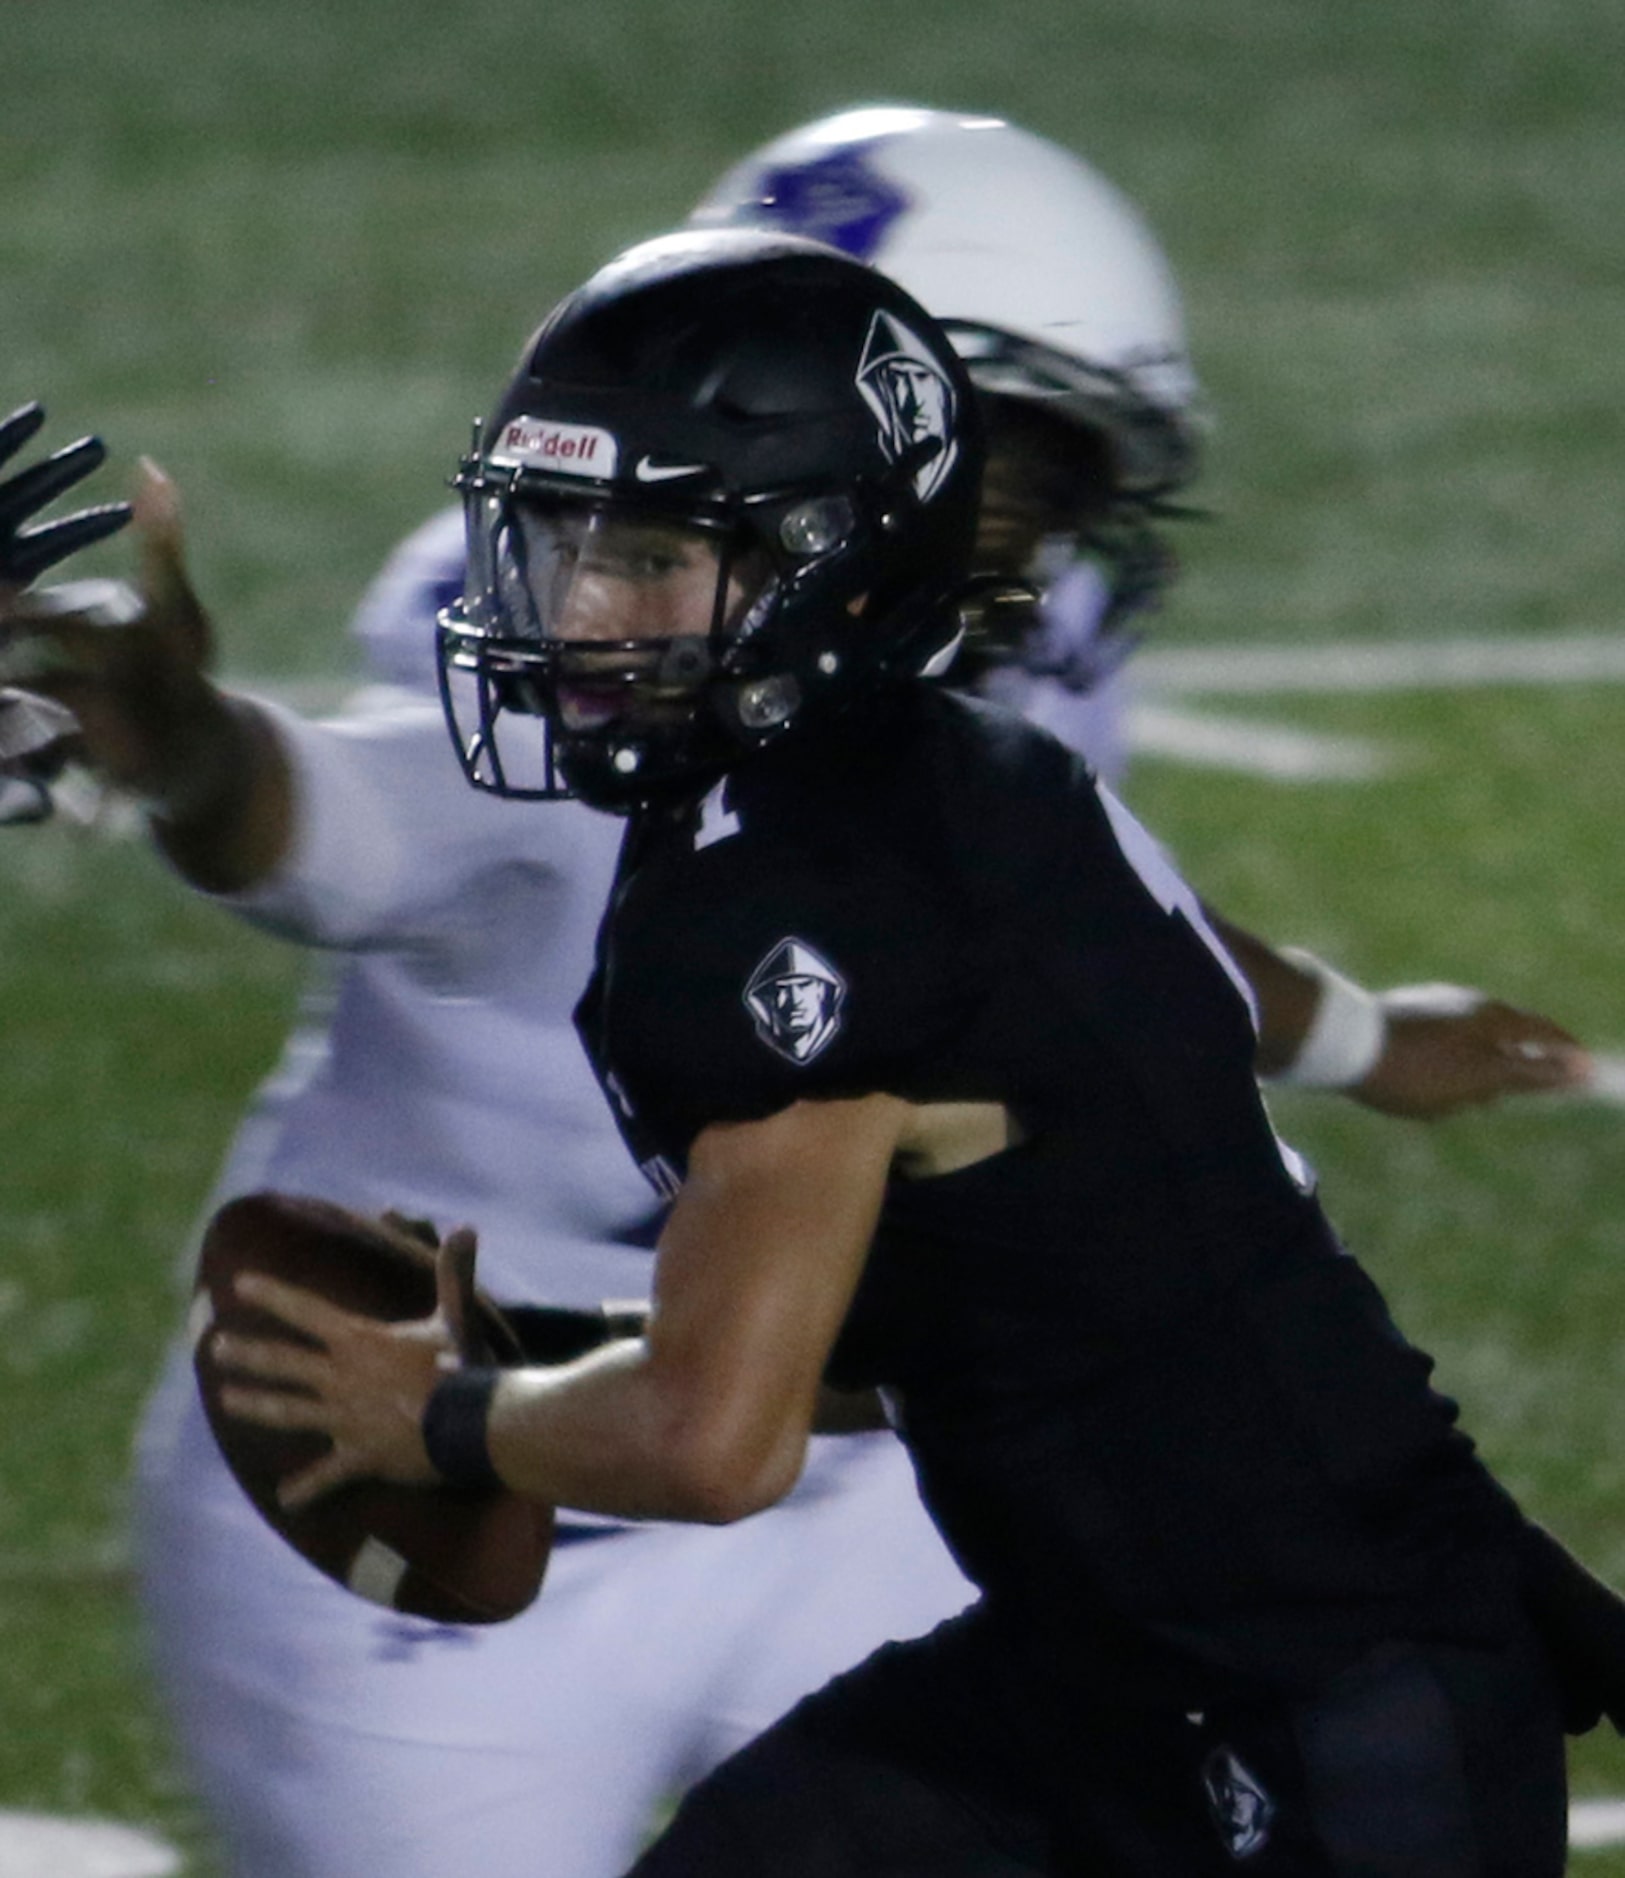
(452, 1554)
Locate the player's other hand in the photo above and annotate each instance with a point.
(27, 546)
(131, 668)
(1448, 1048)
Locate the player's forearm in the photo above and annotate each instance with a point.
(1421, 1051)
(554, 1334)
(1287, 994)
(612, 1434)
(707, 1416)
(224, 814)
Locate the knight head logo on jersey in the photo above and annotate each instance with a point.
(794, 997)
(912, 396)
(1241, 1809)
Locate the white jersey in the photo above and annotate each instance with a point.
(440, 1073)
(445, 1077)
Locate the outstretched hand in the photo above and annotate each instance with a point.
(1447, 1048)
(361, 1381)
(133, 677)
(28, 547)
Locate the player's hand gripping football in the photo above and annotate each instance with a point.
(1447, 1048)
(364, 1383)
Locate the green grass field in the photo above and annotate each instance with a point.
(291, 251)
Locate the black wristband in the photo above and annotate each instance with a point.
(454, 1419)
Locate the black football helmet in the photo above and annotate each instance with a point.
(732, 485)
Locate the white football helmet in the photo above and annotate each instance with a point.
(1046, 276)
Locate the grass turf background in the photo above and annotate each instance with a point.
(291, 251)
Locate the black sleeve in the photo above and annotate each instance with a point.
(781, 978)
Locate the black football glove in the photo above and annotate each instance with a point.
(27, 551)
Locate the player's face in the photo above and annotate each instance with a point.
(606, 583)
(617, 578)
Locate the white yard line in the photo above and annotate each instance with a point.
(1608, 1081)
(1402, 665)
(42, 1845)
(315, 697)
(1596, 1823)
(1276, 751)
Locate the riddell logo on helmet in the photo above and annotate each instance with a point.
(571, 449)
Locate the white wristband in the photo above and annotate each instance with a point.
(1346, 1035)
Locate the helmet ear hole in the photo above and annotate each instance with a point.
(766, 704)
(686, 663)
(816, 526)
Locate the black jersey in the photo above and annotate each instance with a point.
(1158, 1412)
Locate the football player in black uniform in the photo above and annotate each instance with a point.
(955, 1092)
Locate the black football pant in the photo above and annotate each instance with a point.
(1417, 1763)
